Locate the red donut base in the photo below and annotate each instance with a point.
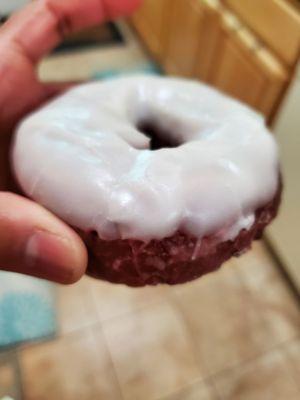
(172, 260)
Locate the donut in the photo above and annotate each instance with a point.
(163, 178)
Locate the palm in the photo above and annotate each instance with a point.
(19, 95)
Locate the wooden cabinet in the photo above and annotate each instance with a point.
(276, 22)
(235, 73)
(150, 22)
(210, 40)
(184, 30)
(192, 33)
(246, 70)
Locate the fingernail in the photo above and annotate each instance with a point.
(48, 256)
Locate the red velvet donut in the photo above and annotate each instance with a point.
(173, 260)
(163, 178)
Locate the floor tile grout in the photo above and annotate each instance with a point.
(159, 300)
(13, 361)
(280, 267)
(183, 389)
(19, 374)
(249, 361)
(189, 332)
(126, 313)
(112, 363)
(283, 352)
(215, 389)
(245, 362)
(252, 294)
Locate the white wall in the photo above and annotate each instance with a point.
(284, 233)
(8, 6)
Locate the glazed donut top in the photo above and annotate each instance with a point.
(86, 156)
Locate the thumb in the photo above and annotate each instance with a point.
(34, 242)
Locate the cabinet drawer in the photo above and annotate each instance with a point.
(276, 22)
(247, 71)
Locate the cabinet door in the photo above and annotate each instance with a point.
(247, 71)
(210, 36)
(276, 22)
(184, 30)
(150, 22)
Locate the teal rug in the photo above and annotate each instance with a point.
(148, 68)
(27, 309)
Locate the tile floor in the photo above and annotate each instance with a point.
(234, 334)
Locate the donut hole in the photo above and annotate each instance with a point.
(159, 138)
(94, 234)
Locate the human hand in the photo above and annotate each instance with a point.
(32, 240)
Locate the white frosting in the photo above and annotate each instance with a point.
(83, 158)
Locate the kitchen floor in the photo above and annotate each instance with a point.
(234, 334)
(231, 335)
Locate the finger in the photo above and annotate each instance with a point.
(32, 33)
(34, 242)
(41, 25)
